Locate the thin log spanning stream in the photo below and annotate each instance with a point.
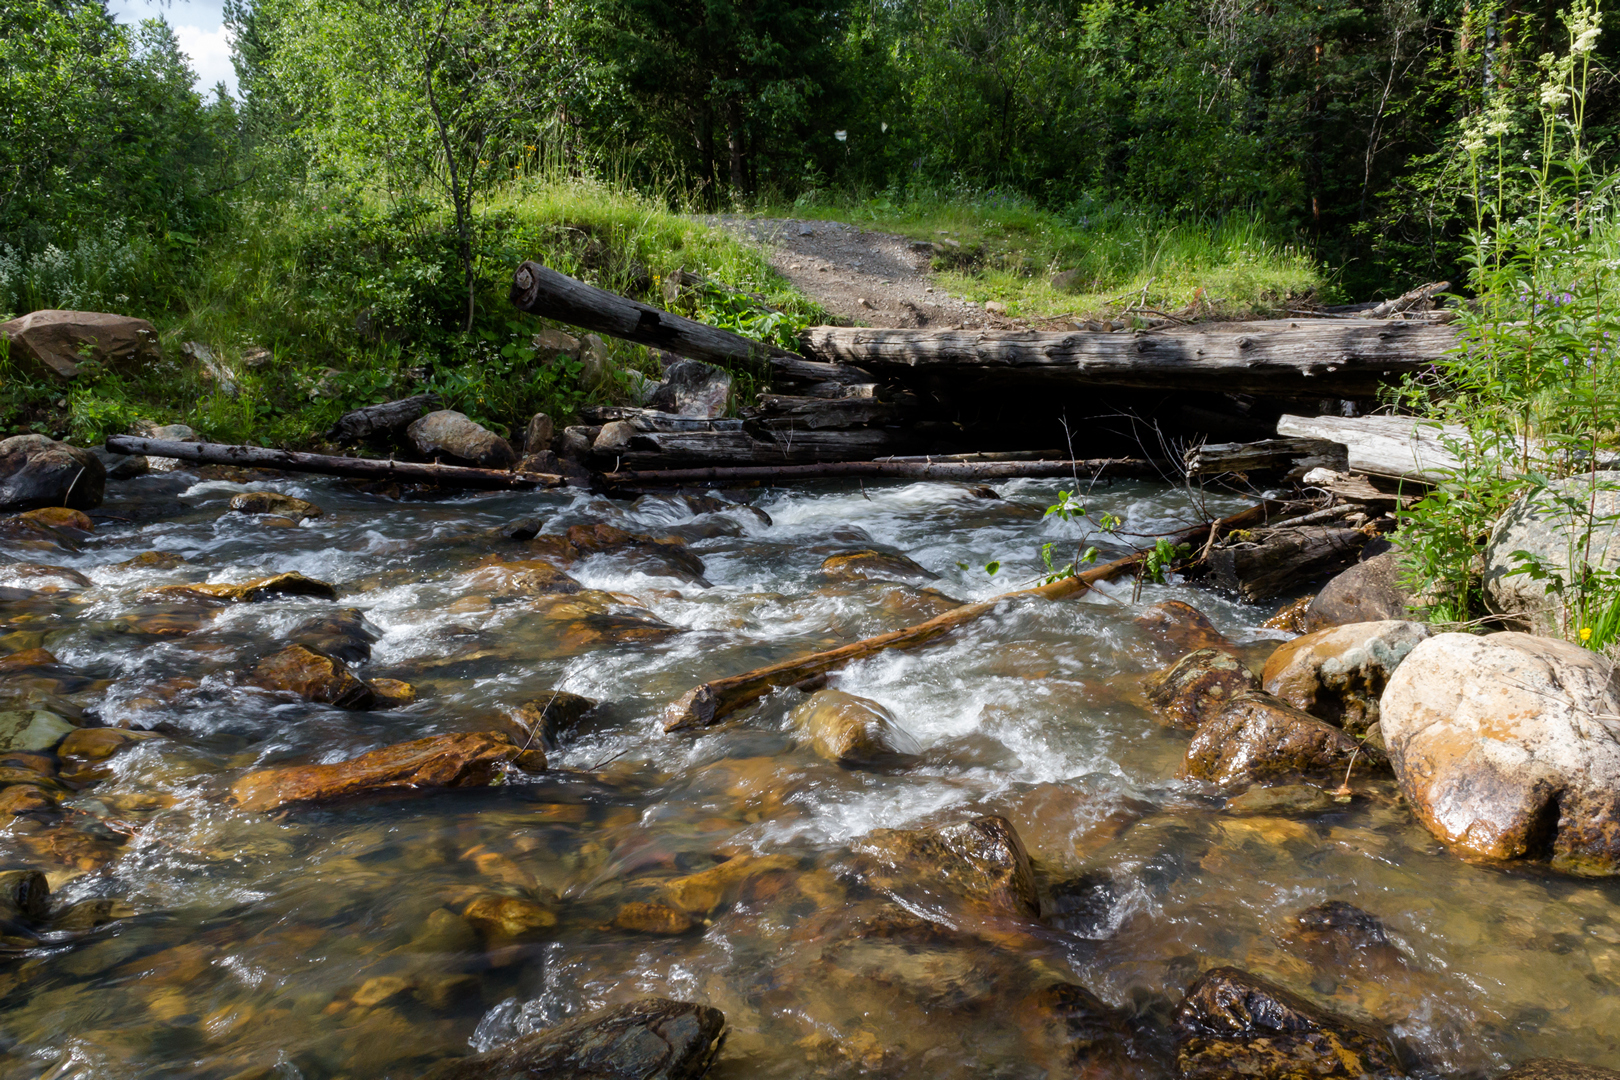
(201, 928)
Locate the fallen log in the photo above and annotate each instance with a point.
(258, 457)
(712, 701)
(1293, 458)
(1284, 560)
(540, 290)
(1301, 357)
(1393, 446)
(379, 419)
(1086, 469)
(761, 448)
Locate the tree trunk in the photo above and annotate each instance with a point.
(1086, 470)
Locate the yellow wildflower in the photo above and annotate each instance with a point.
(1586, 633)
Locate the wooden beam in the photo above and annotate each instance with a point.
(1089, 469)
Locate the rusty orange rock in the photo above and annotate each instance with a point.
(1175, 629)
(312, 676)
(464, 759)
(293, 584)
(60, 517)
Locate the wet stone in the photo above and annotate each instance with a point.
(1197, 686)
(854, 731)
(1175, 628)
(1339, 933)
(293, 584)
(869, 564)
(1554, 1069)
(1339, 674)
(556, 714)
(1256, 737)
(982, 861)
(649, 554)
(1232, 1023)
(313, 677)
(19, 799)
(271, 502)
(1083, 905)
(391, 693)
(1288, 800)
(345, 635)
(1093, 1038)
(24, 894)
(702, 893)
(650, 1039)
(471, 759)
(644, 918)
(32, 729)
(507, 918)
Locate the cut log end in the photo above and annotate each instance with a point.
(698, 707)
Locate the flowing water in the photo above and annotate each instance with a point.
(331, 942)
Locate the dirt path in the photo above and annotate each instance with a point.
(868, 278)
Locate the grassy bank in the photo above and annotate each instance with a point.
(998, 246)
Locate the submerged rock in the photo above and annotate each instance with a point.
(1232, 1023)
(1370, 591)
(1339, 674)
(464, 759)
(1176, 628)
(703, 892)
(1256, 736)
(554, 715)
(871, 565)
(644, 918)
(982, 860)
(650, 1039)
(1198, 685)
(450, 436)
(313, 677)
(854, 731)
(668, 553)
(345, 635)
(32, 730)
(293, 584)
(1506, 748)
(271, 502)
(1553, 1069)
(1094, 1038)
(24, 894)
(503, 919)
(1281, 800)
(36, 471)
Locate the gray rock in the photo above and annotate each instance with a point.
(650, 1039)
(1369, 591)
(551, 345)
(121, 466)
(1507, 746)
(1339, 674)
(31, 730)
(58, 341)
(576, 440)
(450, 436)
(614, 437)
(593, 362)
(171, 433)
(693, 388)
(36, 471)
(538, 435)
(1551, 534)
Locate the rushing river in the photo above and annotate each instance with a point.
(331, 942)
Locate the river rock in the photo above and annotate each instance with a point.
(693, 388)
(868, 564)
(538, 434)
(312, 676)
(1370, 591)
(1233, 1024)
(249, 592)
(503, 919)
(36, 471)
(640, 917)
(463, 759)
(58, 341)
(1340, 934)
(1094, 1038)
(1506, 747)
(614, 438)
(345, 635)
(1175, 629)
(650, 1039)
(1256, 737)
(1554, 1069)
(28, 730)
(272, 502)
(982, 860)
(88, 745)
(1198, 685)
(121, 466)
(24, 894)
(550, 717)
(701, 893)
(1281, 800)
(1550, 534)
(668, 553)
(450, 436)
(1338, 674)
(854, 731)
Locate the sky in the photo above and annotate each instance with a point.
(197, 24)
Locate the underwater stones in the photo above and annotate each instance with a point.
(391, 693)
(525, 577)
(869, 564)
(345, 635)
(1553, 1069)
(1093, 1038)
(649, 1039)
(982, 861)
(504, 919)
(1256, 736)
(703, 892)
(1193, 688)
(1231, 1023)
(32, 730)
(1176, 628)
(271, 502)
(1506, 748)
(554, 715)
(854, 731)
(1338, 674)
(24, 894)
(464, 759)
(89, 745)
(1283, 800)
(666, 552)
(259, 589)
(452, 437)
(312, 676)
(39, 472)
(18, 799)
(640, 917)
(1370, 591)
(1340, 933)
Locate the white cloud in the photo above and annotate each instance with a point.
(198, 26)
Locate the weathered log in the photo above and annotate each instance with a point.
(1419, 299)
(331, 465)
(378, 419)
(739, 448)
(1087, 469)
(1320, 357)
(1284, 560)
(1291, 457)
(540, 290)
(782, 412)
(1394, 446)
(714, 700)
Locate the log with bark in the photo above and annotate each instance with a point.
(1294, 358)
(1284, 560)
(734, 447)
(712, 701)
(381, 419)
(1289, 458)
(1086, 470)
(540, 290)
(258, 457)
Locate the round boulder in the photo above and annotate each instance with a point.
(854, 731)
(1549, 532)
(1370, 591)
(1508, 747)
(1257, 737)
(36, 471)
(451, 436)
(1193, 688)
(1338, 674)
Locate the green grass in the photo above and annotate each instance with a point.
(1003, 247)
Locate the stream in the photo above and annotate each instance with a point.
(334, 941)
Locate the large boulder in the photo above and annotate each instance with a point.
(1370, 591)
(650, 1039)
(463, 759)
(693, 388)
(869, 564)
(1175, 628)
(1549, 532)
(854, 731)
(1338, 674)
(1197, 686)
(982, 861)
(451, 437)
(1507, 747)
(1233, 1024)
(1258, 737)
(59, 341)
(36, 471)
